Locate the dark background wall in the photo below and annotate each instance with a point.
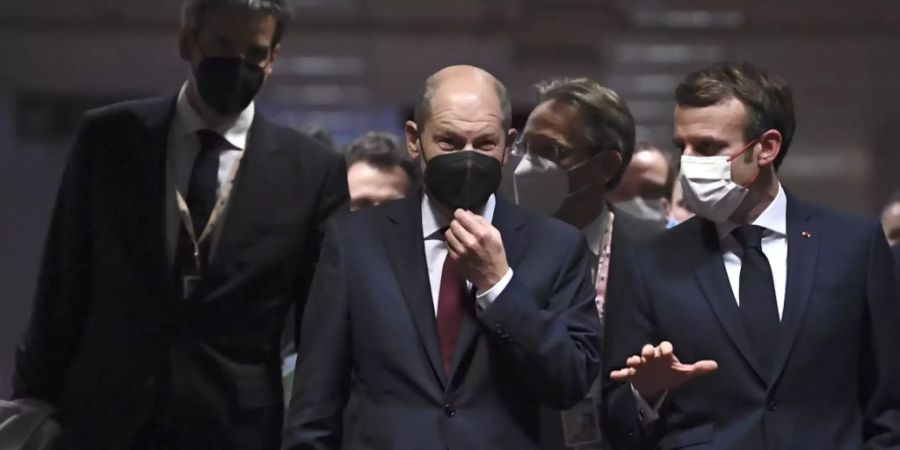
(353, 65)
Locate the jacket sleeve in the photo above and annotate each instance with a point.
(333, 200)
(880, 369)
(557, 349)
(64, 284)
(322, 376)
(629, 326)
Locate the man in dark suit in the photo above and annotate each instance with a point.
(184, 229)
(573, 152)
(457, 313)
(765, 322)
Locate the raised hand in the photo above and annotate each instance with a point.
(657, 370)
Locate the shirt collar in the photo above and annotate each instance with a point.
(593, 233)
(773, 218)
(433, 219)
(187, 122)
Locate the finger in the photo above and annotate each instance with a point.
(647, 352)
(468, 220)
(666, 348)
(633, 360)
(622, 374)
(462, 235)
(453, 244)
(657, 352)
(703, 367)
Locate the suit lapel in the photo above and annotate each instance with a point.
(803, 249)
(246, 204)
(509, 221)
(401, 234)
(705, 256)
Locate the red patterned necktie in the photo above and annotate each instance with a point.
(450, 310)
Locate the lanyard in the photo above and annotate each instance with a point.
(185, 213)
(607, 236)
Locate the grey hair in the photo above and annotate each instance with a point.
(195, 12)
(423, 105)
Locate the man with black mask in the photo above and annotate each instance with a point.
(184, 229)
(458, 313)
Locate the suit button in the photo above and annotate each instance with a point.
(772, 405)
(449, 411)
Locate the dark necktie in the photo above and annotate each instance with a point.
(758, 306)
(450, 310)
(200, 199)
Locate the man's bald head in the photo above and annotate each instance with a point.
(460, 79)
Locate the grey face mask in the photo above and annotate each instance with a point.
(650, 210)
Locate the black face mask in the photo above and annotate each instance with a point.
(462, 179)
(228, 84)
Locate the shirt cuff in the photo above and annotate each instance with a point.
(486, 298)
(646, 414)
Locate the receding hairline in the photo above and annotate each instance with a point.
(436, 80)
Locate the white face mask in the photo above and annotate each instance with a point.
(707, 186)
(542, 186)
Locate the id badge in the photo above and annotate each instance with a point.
(189, 284)
(581, 424)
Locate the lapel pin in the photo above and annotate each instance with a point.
(806, 234)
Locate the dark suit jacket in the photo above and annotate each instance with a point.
(371, 313)
(110, 344)
(836, 381)
(628, 232)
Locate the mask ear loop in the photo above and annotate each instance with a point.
(744, 149)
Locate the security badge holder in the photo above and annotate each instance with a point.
(189, 285)
(190, 280)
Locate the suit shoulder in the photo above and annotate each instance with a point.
(551, 229)
(832, 218)
(128, 109)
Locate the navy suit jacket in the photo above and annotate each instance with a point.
(371, 314)
(836, 381)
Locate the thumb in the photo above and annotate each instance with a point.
(703, 367)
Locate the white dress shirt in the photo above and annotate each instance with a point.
(183, 146)
(433, 219)
(774, 246)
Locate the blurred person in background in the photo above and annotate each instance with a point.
(451, 315)
(322, 136)
(890, 219)
(379, 169)
(574, 149)
(646, 186)
(764, 322)
(184, 228)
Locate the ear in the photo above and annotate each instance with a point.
(185, 42)
(666, 205)
(272, 56)
(412, 137)
(612, 161)
(770, 143)
(511, 136)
